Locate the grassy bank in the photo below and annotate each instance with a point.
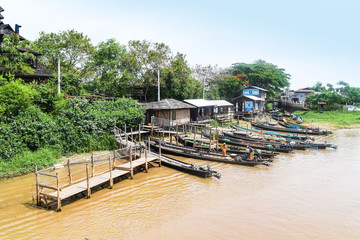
(25, 162)
(333, 119)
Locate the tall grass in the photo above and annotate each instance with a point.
(25, 162)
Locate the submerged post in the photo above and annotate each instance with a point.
(58, 193)
(110, 171)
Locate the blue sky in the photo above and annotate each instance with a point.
(312, 40)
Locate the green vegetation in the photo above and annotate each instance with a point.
(335, 118)
(334, 98)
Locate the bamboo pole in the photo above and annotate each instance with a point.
(58, 193)
(110, 171)
(92, 165)
(69, 170)
(37, 187)
(131, 165)
(88, 181)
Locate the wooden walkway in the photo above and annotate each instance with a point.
(142, 156)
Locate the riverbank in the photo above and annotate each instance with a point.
(331, 120)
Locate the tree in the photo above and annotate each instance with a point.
(318, 87)
(179, 83)
(147, 59)
(209, 76)
(13, 61)
(112, 73)
(264, 75)
(74, 49)
(15, 96)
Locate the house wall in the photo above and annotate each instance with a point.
(182, 115)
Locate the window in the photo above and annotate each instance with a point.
(173, 115)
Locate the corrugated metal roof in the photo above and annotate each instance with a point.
(253, 98)
(166, 104)
(220, 103)
(257, 88)
(199, 102)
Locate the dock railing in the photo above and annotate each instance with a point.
(55, 179)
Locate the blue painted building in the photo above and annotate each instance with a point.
(251, 100)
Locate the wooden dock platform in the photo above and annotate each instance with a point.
(48, 194)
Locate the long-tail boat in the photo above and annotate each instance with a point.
(206, 155)
(270, 147)
(189, 168)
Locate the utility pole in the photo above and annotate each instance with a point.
(158, 85)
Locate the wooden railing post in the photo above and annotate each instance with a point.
(131, 163)
(92, 165)
(140, 150)
(69, 170)
(38, 203)
(88, 181)
(58, 193)
(114, 157)
(139, 133)
(110, 171)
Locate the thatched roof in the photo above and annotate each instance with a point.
(166, 104)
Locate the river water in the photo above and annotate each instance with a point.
(313, 194)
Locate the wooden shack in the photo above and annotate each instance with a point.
(168, 111)
(222, 109)
(252, 100)
(203, 109)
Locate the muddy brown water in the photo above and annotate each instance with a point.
(313, 194)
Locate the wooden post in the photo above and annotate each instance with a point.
(126, 137)
(146, 155)
(177, 134)
(132, 136)
(170, 138)
(201, 132)
(139, 133)
(131, 166)
(110, 171)
(37, 187)
(114, 157)
(70, 175)
(88, 181)
(58, 193)
(163, 134)
(217, 140)
(160, 154)
(92, 165)
(140, 149)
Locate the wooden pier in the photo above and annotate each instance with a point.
(81, 176)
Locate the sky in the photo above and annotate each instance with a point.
(313, 40)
